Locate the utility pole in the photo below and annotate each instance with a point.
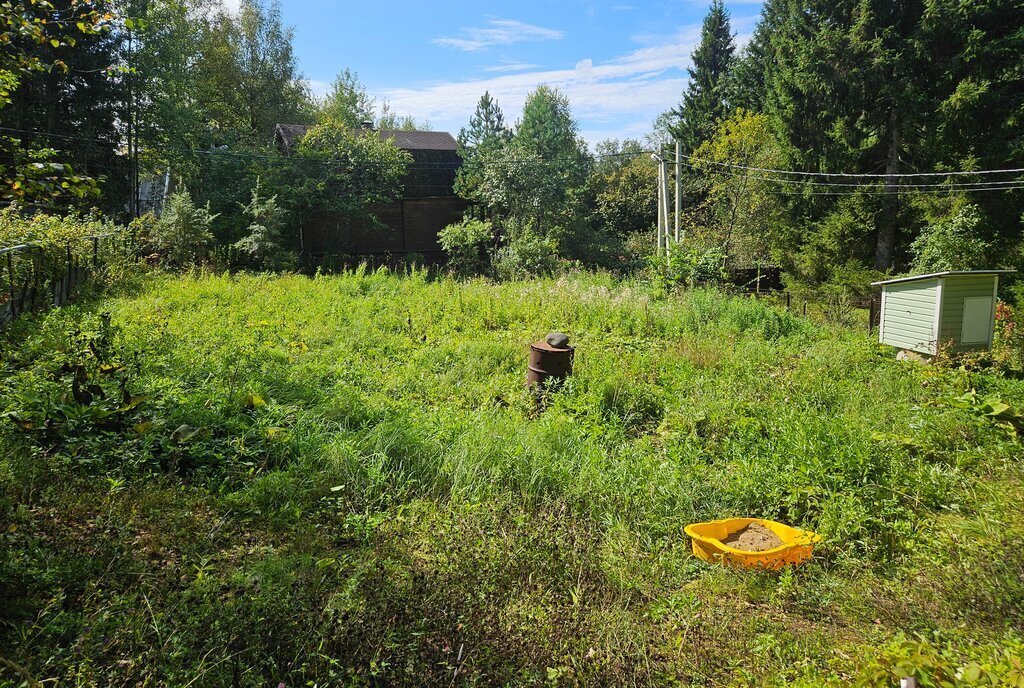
(662, 230)
(665, 194)
(679, 186)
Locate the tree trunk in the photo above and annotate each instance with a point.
(886, 246)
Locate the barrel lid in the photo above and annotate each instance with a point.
(544, 346)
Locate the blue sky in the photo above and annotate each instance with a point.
(621, 62)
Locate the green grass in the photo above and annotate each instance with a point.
(343, 480)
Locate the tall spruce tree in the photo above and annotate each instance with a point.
(873, 86)
(747, 82)
(705, 101)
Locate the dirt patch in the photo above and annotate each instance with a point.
(753, 538)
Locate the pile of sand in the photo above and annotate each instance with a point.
(753, 538)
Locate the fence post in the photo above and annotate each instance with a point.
(67, 282)
(10, 284)
(788, 297)
(871, 316)
(95, 252)
(805, 308)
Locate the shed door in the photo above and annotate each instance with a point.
(977, 324)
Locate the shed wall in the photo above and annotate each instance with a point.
(908, 319)
(956, 290)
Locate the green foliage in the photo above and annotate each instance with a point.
(181, 237)
(467, 244)
(247, 77)
(263, 248)
(692, 265)
(957, 243)
(746, 211)
(479, 144)
(79, 396)
(626, 191)
(704, 103)
(536, 177)
(56, 63)
(342, 172)
(54, 237)
(942, 665)
(348, 103)
(526, 255)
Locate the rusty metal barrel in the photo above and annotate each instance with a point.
(550, 362)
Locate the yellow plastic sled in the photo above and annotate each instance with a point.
(796, 546)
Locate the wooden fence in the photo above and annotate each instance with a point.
(31, 287)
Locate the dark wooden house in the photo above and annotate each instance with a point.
(411, 224)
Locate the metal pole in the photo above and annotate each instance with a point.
(679, 186)
(665, 194)
(660, 222)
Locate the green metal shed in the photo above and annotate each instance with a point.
(954, 310)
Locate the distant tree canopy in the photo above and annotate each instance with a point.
(869, 88)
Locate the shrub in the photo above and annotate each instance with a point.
(466, 244)
(262, 248)
(182, 235)
(54, 236)
(953, 244)
(692, 266)
(526, 255)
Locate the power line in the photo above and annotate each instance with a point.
(805, 182)
(295, 158)
(957, 173)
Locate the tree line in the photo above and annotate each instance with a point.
(127, 90)
(859, 87)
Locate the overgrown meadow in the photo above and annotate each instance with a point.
(342, 480)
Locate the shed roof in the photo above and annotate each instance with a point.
(291, 134)
(934, 275)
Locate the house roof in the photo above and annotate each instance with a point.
(934, 275)
(291, 134)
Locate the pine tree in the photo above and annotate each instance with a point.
(487, 123)
(705, 100)
(485, 136)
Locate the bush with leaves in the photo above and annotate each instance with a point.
(692, 265)
(467, 244)
(182, 236)
(956, 243)
(54, 237)
(526, 255)
(263, 248)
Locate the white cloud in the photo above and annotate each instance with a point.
(631, 89)
(318, 87)
(511, 67)
(499, 32)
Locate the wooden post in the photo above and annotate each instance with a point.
(788, 297)
(871, 316)
(679, 186)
